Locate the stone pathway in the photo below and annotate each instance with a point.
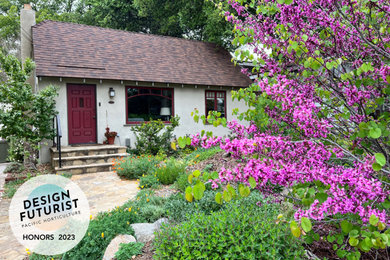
(104, 191)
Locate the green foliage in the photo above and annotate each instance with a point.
(179, 209)
(151, 212)
(150, 208)
(15, 150)
(168, 173)
(135, 166)
(214, 118)
(202, 154)
(149, 181)
(111, 224)
(11, 187)
(126, 251)
(197, 180)
(195, 19)
(9, 27)
(24, 115)
(190, 19)
(14, 167)
(243, 231)
(184, 141)
(182, 182)
(154, 136)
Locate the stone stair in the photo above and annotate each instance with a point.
(86, 159)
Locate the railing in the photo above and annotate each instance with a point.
(57, 137)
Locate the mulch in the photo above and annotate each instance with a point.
(147, 252)
(41, 169)
(165, 191)
(216, 162)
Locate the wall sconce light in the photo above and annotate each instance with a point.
(111, 93)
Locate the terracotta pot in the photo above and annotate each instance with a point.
(111, 139)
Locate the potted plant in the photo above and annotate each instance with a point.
(110, 136)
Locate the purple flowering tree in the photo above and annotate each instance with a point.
(319, 113)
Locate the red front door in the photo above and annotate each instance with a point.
(82, 113)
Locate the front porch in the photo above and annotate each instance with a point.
(82, 159)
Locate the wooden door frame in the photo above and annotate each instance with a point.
(67, 109)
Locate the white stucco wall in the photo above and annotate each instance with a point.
(186, 99)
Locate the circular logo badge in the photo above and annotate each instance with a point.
(49, 214)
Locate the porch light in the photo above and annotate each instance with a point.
(111, 93)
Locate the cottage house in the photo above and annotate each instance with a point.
(120, 79)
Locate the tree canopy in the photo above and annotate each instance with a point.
(319, 134)
(194, 19)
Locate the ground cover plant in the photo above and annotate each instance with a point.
(147, 207)
(240, 231)
(127, 251)
(319, 115)
(202, 154)
(168, 171)
(17, 174)
(101, 230)
(133, 167)
(106, 225)
(149, 181)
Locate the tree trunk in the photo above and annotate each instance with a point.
(30, 156)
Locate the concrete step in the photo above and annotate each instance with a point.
(87, 159)
(69, 151)
(80, 169)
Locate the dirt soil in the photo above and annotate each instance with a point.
(147, 252)
(41, 169)
(216, 162)
(165, 191)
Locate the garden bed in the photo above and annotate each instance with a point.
(16, 171)
(16, 175)
(162, 183)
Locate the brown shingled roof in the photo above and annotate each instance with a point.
(81, 51)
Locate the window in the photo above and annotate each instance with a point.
(144, 104)
(216, 101)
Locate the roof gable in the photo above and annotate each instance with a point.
(80, 51)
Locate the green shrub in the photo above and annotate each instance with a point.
(149, 181)
(93, 245)
(11, 187)
(202, 154)
(15, 150)
(135, 166)
(111, 224)
(182, 182)
(155, 136)
(207, 204)
(168, 173)
(238, 232)
(126, 251)
(150, 208)
(151, 212)
(179, 209)
(14, 167)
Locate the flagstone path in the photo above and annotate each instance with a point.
(104, 191)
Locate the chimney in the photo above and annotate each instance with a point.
(27, 19)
